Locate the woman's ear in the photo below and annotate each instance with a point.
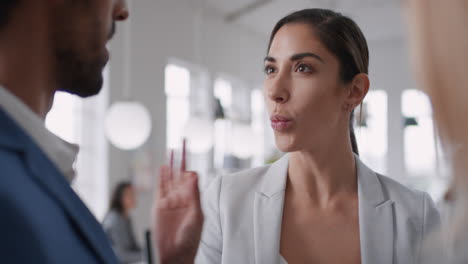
(357, 90)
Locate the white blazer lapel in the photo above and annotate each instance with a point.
(268, 213)
(376, 216)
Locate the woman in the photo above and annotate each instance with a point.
(319, 203)
(118, 225)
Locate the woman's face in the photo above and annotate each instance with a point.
(128, 199)
(303, 92)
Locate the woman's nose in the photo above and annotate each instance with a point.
(278, 91)
(279, 99)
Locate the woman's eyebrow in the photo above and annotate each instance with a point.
(270, 59)
(297, 56)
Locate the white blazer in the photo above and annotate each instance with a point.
(243, 214)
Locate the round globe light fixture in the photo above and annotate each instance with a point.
(128, 124)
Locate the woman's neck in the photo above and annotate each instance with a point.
(322, 177)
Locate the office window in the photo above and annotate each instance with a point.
(177, 87)
(371, 130)
(223, 92)
(259, 123)
(64, 118)
(419, 137)
(222, 126)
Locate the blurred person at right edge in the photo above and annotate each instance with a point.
(439, 46)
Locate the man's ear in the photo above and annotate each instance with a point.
(358, 89)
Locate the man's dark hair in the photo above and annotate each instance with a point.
(6, 7)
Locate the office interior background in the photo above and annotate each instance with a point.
(193, 69)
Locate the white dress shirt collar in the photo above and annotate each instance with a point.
(60, 152)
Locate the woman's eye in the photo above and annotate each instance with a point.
(269, 70)
(303, 68)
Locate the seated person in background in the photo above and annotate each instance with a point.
(118, 226)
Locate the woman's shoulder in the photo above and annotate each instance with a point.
(241, 182)
(398, 191)
(409, 200)
(267, 178)
(248, 178)
(378, 186)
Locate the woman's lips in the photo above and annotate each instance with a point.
(281, 123)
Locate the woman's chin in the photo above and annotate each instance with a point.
(285, 144)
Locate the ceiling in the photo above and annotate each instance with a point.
(379, 19)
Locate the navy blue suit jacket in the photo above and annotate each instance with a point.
(42, 220)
